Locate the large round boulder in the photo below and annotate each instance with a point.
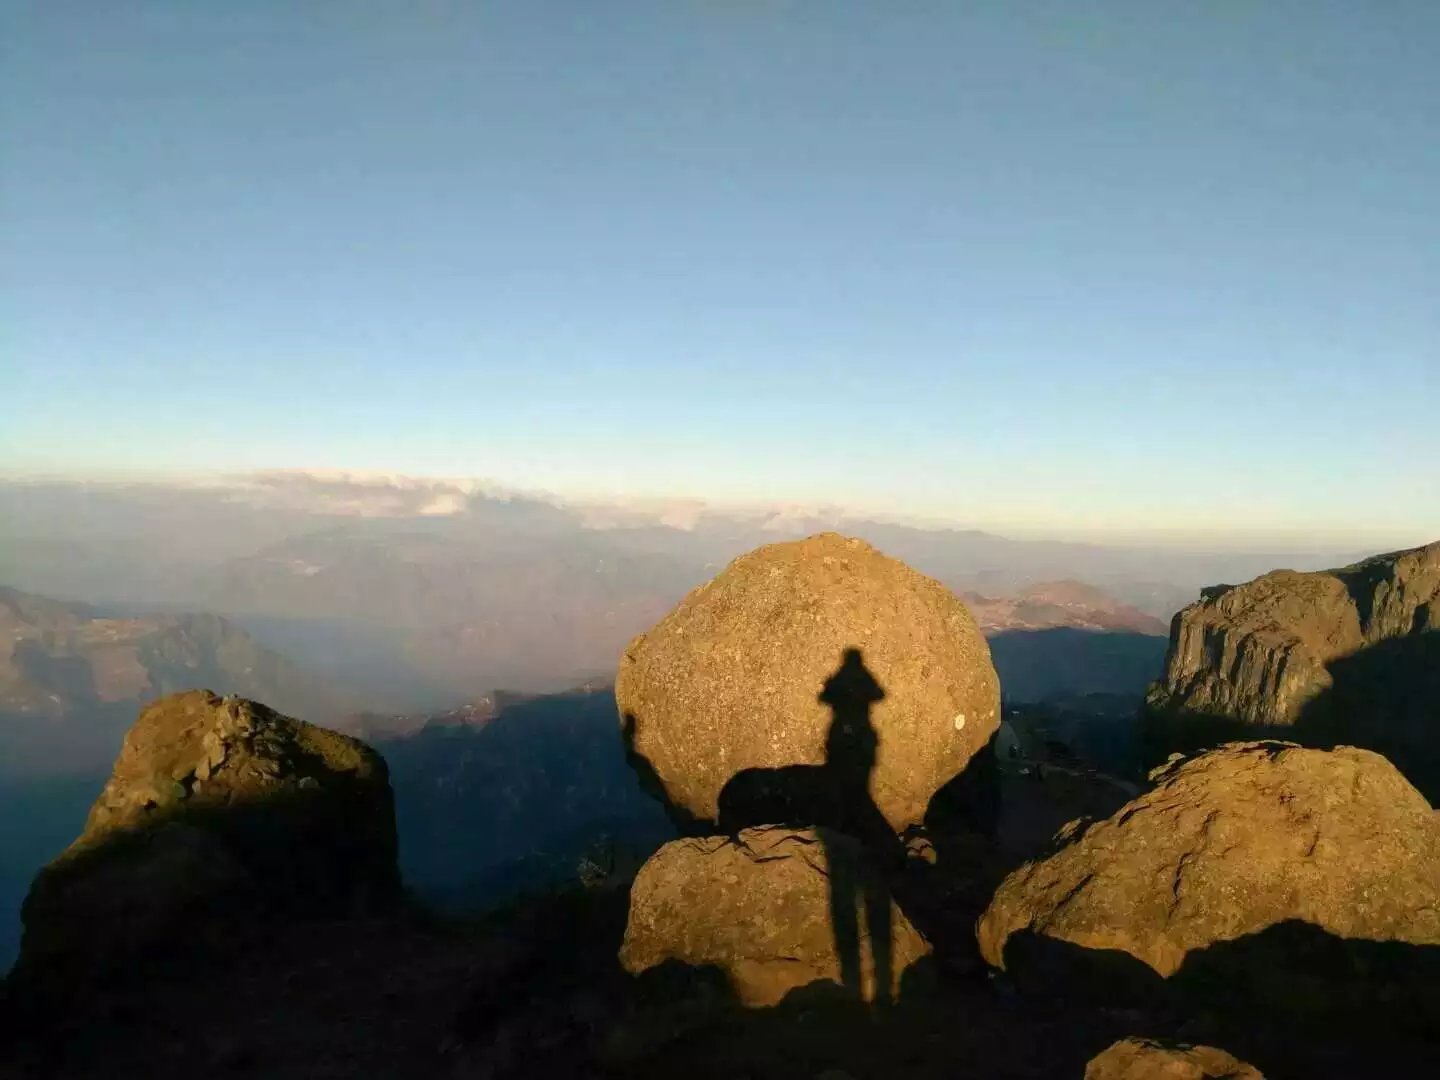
(818, 652)
(1258, 871)
(775, 909)
(218, 811)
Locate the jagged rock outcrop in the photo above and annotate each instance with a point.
(736, 677)
(1146, 1059)
(1347, 655)
(218, 809)
(1258, 864)
(776, 909)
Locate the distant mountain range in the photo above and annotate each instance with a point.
(1052, 604)
(425, 593)
(72, 680)
(72, 677)
(513, 792)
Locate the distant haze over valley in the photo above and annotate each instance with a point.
(427, 615)
(421, 594)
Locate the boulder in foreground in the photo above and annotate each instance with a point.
(802, 653)
(776, 909)
(1256, 869)
(216, 808)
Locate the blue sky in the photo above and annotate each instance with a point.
(1100, 269)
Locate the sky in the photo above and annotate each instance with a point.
(1051, 268)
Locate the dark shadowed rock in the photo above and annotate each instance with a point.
(1146, 1059)
(735, 677)
(1349, 655)
(776, 909)
(218, 809)
(1229, 848)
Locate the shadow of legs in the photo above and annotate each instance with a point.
(877, 921)
(844, 918)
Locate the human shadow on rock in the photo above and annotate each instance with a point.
(836, 796)
(942, 894)
(940, 880)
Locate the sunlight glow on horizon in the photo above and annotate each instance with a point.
(670, 506)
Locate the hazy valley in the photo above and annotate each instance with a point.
(421, 594)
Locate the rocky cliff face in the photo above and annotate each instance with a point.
(1346, 655)
(218, 813)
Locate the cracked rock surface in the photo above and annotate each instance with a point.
(758, 907)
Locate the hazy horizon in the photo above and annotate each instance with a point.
(683, 510)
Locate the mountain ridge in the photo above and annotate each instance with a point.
(69, 673)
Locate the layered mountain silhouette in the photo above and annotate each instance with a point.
(72, 676)
(429, 593)
(1051, 604)
(515, 793)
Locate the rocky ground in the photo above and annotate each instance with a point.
(537, 991)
